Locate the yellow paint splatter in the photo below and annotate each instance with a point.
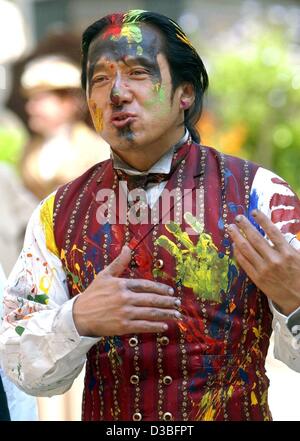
(185, 40)
(132, 32)
(46, 218)
(209, 414)
(45, 284)
(200, 266)
(97, 116)
(254, 401)
(230, 391)
(264, 398)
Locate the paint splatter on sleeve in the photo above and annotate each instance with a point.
(274, 197)
(38, 328)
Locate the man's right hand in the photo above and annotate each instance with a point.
(115, 306)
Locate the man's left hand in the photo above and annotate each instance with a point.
(274, 268)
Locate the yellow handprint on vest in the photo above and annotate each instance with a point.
(200, 267)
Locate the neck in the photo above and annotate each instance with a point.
(142, 158)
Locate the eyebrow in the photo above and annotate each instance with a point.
(130, 61)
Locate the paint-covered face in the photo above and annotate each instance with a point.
(129, 89)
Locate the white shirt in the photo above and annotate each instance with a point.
(21, 406)
(40, 347)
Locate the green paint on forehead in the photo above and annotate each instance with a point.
(139, 51)
(130, 31)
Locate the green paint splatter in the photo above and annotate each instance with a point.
(133, 16)
(159, 98)
(130, 31)
(139, 51)
(39, 298)
(19, 330)
(199, 267)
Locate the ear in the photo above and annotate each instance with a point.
(187, 96)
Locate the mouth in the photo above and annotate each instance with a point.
(122, 119)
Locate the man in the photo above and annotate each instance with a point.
(174, 327)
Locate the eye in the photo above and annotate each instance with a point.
(100, 79)
(139, 73)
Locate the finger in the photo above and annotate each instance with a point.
(273, 233)
(119, 264)
(154, 314)
(245, 264)
(244, 247)
(154, 300)
(258, 242)
(143, 326)
(138, 285)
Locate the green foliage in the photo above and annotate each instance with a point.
(256, 85)
(11, 145)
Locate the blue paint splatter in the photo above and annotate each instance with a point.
(253, 204)
(244, 376)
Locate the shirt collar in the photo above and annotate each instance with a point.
(163, 165)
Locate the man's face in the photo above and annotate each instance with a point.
(129, 89)
(48, 111)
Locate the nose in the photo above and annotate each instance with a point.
(120, 93)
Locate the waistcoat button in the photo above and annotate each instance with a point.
(164, 340)
(167, 416)
(167, 380)
(134, 379)
(133, 341)
(137, 416)
(159, 264)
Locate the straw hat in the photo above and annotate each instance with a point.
(51, 72)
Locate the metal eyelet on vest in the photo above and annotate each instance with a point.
(137, 416)
(134, 379)
(164, 340)
(167, 416)
(167, 380)
(159, 264)
(133, 341)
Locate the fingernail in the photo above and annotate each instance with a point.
(177, 302)
(239, 218)
(171, 291)
(230, 228)
(254, 213)
(177, 314)
(165, 327)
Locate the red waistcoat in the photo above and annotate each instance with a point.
(208, 366)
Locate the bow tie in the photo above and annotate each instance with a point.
(141, 181)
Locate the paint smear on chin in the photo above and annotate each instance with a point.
(126, 133)
(97, 115)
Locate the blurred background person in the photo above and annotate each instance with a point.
(62, 145)
(16, 203)
(16, 206)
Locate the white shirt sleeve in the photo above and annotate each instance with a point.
(269, 193)
(41, 350)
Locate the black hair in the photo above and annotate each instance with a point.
(184, 62)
